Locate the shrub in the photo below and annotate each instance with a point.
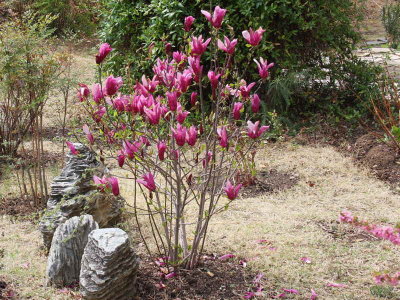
(391, 22)
(184, 156)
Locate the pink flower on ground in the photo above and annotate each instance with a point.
(198, 45)
(255, 103)
(170, 275)
(231, 190)
(306, 260)
(148, 181)
(89, 135)
(103, 52)
(161, 147)
(253, 131)
(188, 23)
(339, 285)
(237, 106)
(291, 291)
(191, 135)
(263, 67)
(223, 137)
(314, 295)
(179, 134)
(227, 46)
(213, 77)
(253, 37)
(226, 256)
(97, 93)
(72, 148)
(346, 217)
(217, 18)
(112, 85)
(193, 98)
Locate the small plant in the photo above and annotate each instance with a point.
(391, 22)
(184, 135)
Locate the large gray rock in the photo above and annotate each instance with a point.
(69, 241)
(109, 266)
(73, 194)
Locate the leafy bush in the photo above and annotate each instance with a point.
(391, 22)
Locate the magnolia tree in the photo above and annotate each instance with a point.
(184, 146)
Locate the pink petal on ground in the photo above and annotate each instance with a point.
(340, 285)
(314, 295)
(291, 291)
(226, 256)
(306, 260)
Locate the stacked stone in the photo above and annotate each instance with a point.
(109, 266)
(68, 244)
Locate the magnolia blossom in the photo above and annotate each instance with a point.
(237, 106)
(89, 135)
(217, 18)
(227, 46)
(253, 37)
(183, 80)
(231, 190)
(72, 148)
(191, 135)
(172, 98)
(245, 89)
(263, 67)
(255, 103)
(121, 158)
(103, 52)
(97, 93)
(188, 23)
(131, 148)
(195, 67)
(112, 85)
(198, 45)
(148, 181)
(179, 134)
(99, 113)
(181, 115)
(83, 92)
(207, 159)
(223, 137)
(161, 147)
(193, 98)
(213, 77)
(253, 131)
(179, 57)
(154, 114)
(107, 182)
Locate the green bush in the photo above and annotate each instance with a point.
(300, 36)
(391, 22)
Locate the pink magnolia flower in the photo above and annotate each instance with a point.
(181, 115)
(112, 85)
(198, 45)
(207, 159)
(83, 92)
(161, 147)
(237, 106)
(103, 52)
(253, 131)
(253, 37)
(263, 67)
(147, 86)
(97, 93)
(223, 137)
(148, 181)
(121, 159)
(179, 57)
(89, 135)
(107, 182)
(172, 98)
(99, 113)
(195, 67)
(130, 149)
(183, 80)
(255, 103)
(213, 79)
(227, 46)
(188, 23)
(193, 98)
(153, 114)
(191, 135)
(245, 89)
(314, 295)
(217, 18)
(226, 256)
(175, 154)
(72, 148)
(231, 190)
(179, 134)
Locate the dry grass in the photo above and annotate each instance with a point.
(298, 222)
